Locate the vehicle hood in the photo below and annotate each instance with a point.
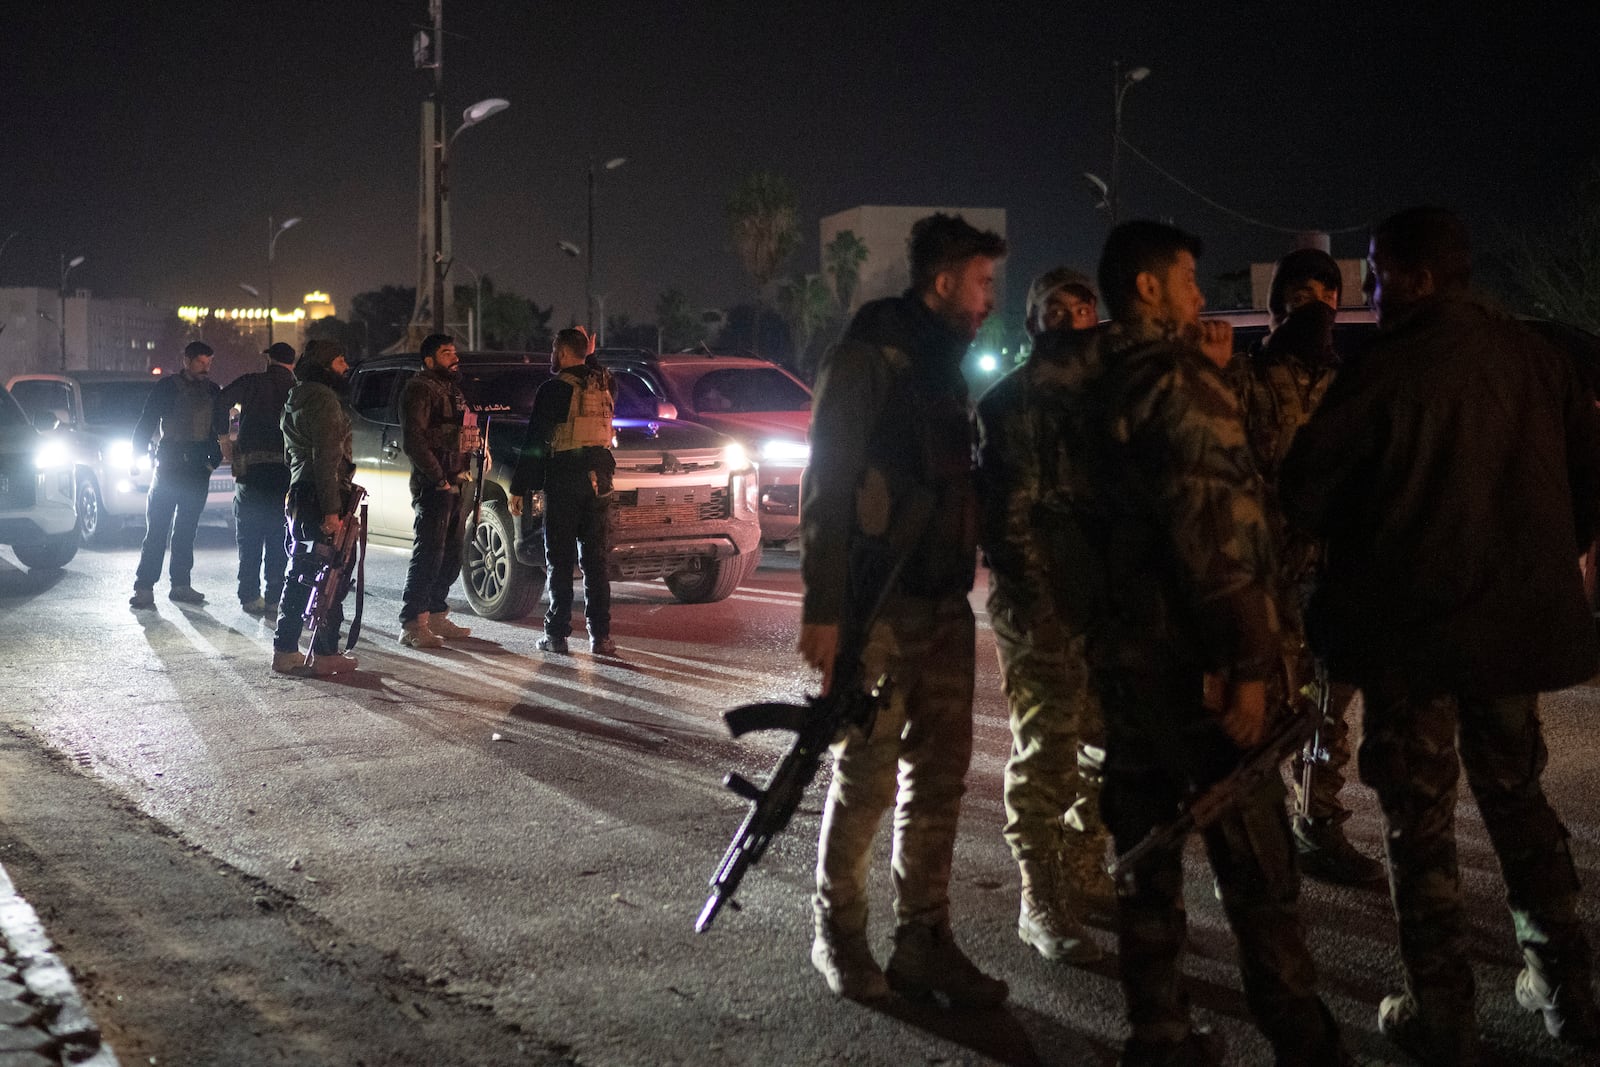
(755, 425)
(668, 434)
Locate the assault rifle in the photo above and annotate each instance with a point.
(338, 564)
(481, 454)
(816, 724)
(1215, 801)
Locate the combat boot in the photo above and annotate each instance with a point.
(414, 633)
(291, 662)
(1200, 1048)
(926, 960)
(1569, 1009)
(1447, 1043)
(842, 954)
(325, 664)
(441, 623)
(1046, 921)
(185, 594)
(1327, 855)
(143, 597)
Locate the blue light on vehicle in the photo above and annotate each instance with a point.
(52, 454)
(786, 451)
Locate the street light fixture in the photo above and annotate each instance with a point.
(475, 335)
(61, 322)
(274, 231)
(599, 328)
(1124, 83)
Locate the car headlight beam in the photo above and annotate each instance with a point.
(785, 450)
(52, 454)
(735, 457)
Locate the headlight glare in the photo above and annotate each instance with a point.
(783, 450)
(52, 454)
(735, 457)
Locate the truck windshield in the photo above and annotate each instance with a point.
(115, 403)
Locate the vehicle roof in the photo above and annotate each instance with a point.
(87, 376)
(681, 359)
(1261, 317)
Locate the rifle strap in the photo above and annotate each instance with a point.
(361, 583)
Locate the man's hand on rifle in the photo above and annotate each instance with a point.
(332, 525)
(819, 647)
(1242, 707)
(515, 503)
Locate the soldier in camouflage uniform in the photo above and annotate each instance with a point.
(891, 467)
(1454, 470)
(1157, 536)
(1055, 720)
(1281, 381)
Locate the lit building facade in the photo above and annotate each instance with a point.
(287, 326)
(120, 334)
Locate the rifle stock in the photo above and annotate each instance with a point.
(336, 567)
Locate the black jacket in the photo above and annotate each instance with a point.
(560, 472)
(431, 410)
(260, 398)
(189, 414)
(1453, 470)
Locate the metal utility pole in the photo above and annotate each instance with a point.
(274, 231)
(1123, 83)
(588, 281)
(61, 311)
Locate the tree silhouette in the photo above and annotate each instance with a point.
(842, 258)
(764, 219)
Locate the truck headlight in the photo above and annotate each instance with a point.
(120, 454)
(52, 454)
(735, 457)
(785, 451)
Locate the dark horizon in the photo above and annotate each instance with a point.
(157, 143)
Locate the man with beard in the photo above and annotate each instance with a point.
(187, 409)
(438, 433)
(261, 479)
(567, 453)
(891, 439)
(1056, 736)
(1453, 470)
(1281, 382)
(317, 443)
(1159, 539)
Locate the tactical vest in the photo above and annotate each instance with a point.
(588, 415)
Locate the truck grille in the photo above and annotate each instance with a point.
(651, 507)
(17, 482)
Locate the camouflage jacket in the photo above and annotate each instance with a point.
(1277, 394)
(1151, 514)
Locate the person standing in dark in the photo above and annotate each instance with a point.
(317, 443)
(438, 432)
(891, 464)
(186, 408)
(261, 479)
(1453, 470)
(1159, 540)
(567, 453)
(1057, 741)
(1281, 380)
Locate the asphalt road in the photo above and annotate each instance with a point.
(487, 855)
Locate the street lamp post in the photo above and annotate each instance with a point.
(588, 283)
(274, 231)
(61, 322)
(441, 193)
(1124, 81)
(475, 335)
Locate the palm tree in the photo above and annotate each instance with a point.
(843, 257)
(764, 217)
(806, 304)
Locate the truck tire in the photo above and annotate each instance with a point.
(50, 555)
(496, 585)
(95, 527)
(713, 582)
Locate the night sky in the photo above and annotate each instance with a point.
(156, 139)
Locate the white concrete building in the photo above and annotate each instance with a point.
(101, 333)
(885, 231)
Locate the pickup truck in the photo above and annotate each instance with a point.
(95, 413)
(685, 508)
(36, 517)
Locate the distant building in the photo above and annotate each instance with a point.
(287, 326)
(885, 231)
(101, 334)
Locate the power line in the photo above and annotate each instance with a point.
(1192, 191)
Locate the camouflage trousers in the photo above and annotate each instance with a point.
(1327, 761)
(1160, 744)
(1408, 755)
(1054, 717)
(915, 761)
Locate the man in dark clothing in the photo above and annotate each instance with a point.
(438, 433)
(1281, 381)
(1157, 538)
(891, 472)
(186, 409)
(567, 453)
(261, 479)
(317, 444)
(1453, 470)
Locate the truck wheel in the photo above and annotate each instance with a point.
(51, 555)
(714, 581)
(94, 527)
(497, 586)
